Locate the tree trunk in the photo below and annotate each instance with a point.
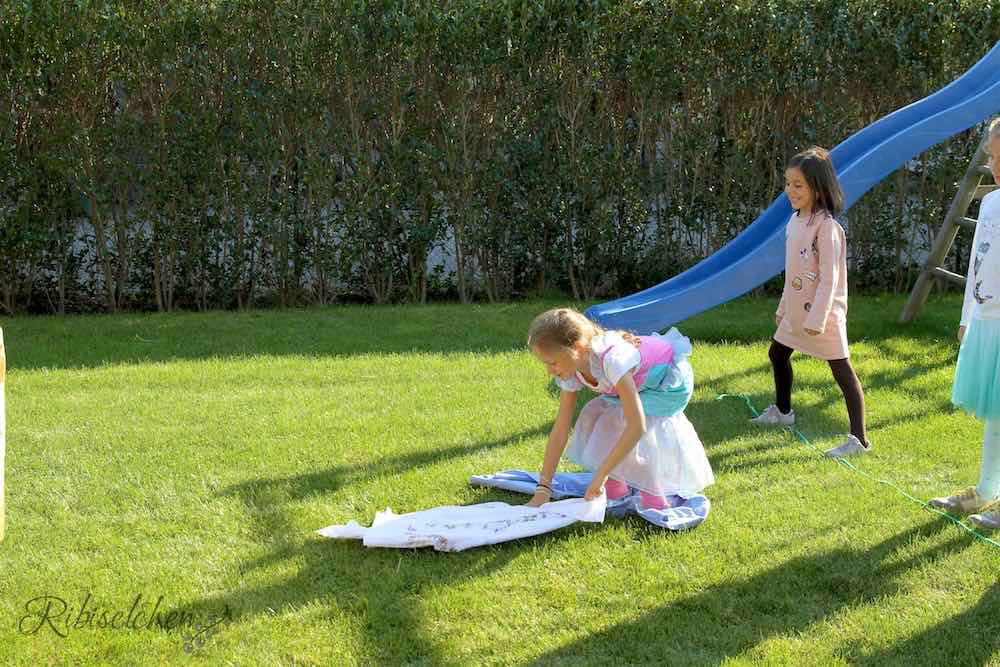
(7, 294)
(900, 219)
(97, 221)
(121, 236)
(239, 258)
(574, 285)
(463, 293)
(157, 273)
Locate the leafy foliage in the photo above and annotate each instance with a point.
(180, 154)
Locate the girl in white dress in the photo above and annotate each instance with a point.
(977, 375)
(635, 434)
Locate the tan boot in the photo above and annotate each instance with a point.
(965, 501)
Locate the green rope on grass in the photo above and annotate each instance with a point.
(851, 466)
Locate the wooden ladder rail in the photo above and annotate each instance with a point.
(970, 188)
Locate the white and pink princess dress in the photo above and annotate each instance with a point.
(669, 459)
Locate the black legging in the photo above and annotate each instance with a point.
(843, 373)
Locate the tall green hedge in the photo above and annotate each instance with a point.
(223, 154)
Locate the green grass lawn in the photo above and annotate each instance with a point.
(189, 458)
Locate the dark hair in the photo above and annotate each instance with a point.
(817, 167)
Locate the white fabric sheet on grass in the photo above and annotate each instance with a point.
(457, 528)
(683, 512)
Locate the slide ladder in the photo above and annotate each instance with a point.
(970, 189)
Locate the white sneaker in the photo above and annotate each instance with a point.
(850, 447)
(772, 416)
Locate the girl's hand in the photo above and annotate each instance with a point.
(812, 332)
(595, 489)
(961, 333)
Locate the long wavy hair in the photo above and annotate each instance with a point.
(565, 327)
(821, 177)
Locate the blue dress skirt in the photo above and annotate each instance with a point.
(977, 374)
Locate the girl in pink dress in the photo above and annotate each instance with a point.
(635, 434)
(812, 314)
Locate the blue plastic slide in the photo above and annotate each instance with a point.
(758, 252)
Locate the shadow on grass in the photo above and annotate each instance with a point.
(810, 417)
(930, 400)
(719, 423)
(719, 384)
(94, 340)
(976, 631)
(734, 445)
(263, 497)
(783, 601)
(379, 591)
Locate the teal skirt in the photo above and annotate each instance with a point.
(977, 385)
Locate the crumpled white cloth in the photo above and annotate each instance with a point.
(457, 528)
(683, 512)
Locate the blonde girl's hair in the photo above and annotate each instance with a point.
(993, 130)
(564, 327)
(821, 177)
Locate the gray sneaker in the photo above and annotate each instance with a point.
(772, 416)
(988, 518)
(851, 447)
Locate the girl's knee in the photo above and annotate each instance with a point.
(778, 353)
(842, 369)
